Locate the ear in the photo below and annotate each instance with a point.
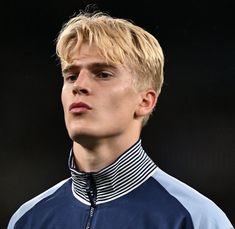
(148, 100)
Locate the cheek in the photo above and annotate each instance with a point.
(64, 96)
(123, 100)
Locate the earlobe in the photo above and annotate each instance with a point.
(147, 103)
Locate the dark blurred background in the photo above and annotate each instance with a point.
(192, 132)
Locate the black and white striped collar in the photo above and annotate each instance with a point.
(128, 172)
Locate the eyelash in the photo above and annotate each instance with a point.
(104, 75)
(71, 78)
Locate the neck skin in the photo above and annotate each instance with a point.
(102, 152)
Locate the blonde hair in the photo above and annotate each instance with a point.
(119, 41)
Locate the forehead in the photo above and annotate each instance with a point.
(84, 54)
(90, 55)
(81, 53)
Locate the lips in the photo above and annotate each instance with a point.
(79, 107)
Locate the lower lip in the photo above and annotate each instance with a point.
(79, 110)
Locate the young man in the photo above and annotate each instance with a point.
(113, 73)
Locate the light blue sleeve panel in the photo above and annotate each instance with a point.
(31, 203)
(204, 212)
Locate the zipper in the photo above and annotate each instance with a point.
(92, 193)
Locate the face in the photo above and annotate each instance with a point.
(99, 100)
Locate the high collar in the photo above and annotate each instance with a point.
(128, 172)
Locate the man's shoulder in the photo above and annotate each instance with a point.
(204, 212)
(27, 206)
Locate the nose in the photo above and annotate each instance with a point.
(81, 85)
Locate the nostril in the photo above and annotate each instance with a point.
(78, 90)
(83, 91)
(74, 91)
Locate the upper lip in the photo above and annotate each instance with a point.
(78, 105)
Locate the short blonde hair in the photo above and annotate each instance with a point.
(119, 41)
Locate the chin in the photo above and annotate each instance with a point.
(84, 139)
(80, 134)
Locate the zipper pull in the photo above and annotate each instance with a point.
(91, 189)
(92, 194)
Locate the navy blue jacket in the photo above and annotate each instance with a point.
(131, 193)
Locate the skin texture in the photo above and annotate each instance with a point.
(111, 122)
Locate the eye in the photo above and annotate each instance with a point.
(104, 75)
(71, 78)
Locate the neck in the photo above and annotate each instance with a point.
(101, 153)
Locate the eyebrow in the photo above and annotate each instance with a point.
(71, 67)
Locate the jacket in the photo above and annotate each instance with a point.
(131, 193)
